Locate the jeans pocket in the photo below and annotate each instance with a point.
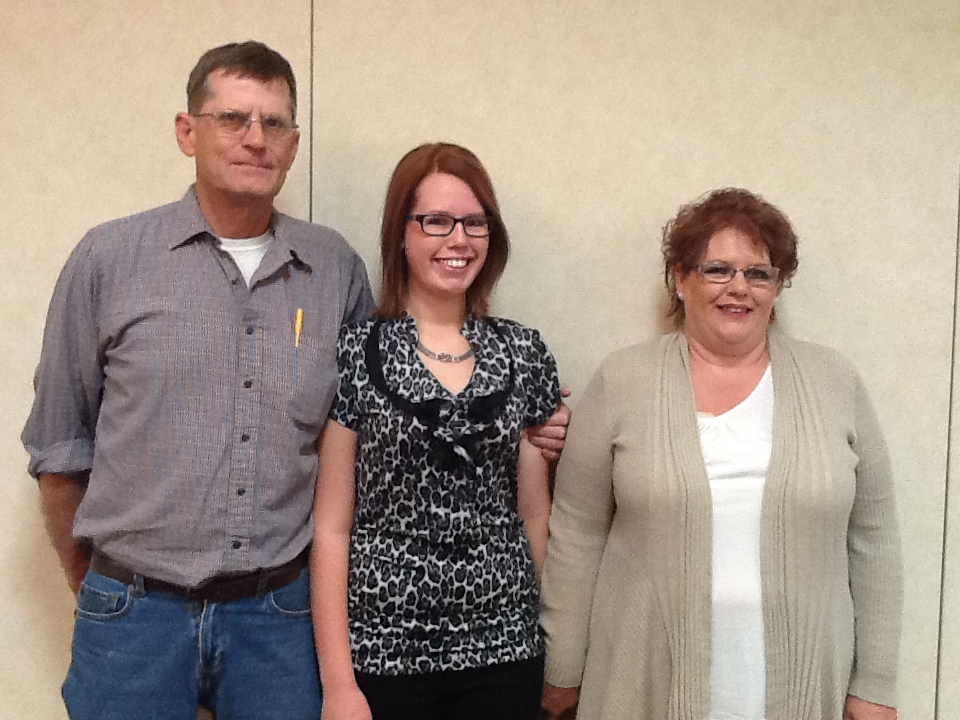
(101, 598)
(292, 600)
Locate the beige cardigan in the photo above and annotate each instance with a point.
(626, 585)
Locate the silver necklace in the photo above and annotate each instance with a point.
(444, 357)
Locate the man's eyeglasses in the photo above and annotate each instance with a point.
(720, 272)
(441, 225)
(236, 122)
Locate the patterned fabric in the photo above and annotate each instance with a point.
(441, 576)
(186, 394)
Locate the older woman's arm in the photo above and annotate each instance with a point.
(579, 523)
(876, 582)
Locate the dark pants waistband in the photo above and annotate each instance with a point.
(220, 588)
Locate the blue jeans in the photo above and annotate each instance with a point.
(156, 656)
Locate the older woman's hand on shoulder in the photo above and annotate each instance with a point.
(859, 709)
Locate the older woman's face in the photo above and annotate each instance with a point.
(729, 318)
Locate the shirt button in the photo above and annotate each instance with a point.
(235, 281)
(244, 437)
(249, 329)
(248, 384)
(236, 544)
(241, 491)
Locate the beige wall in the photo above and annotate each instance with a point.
(596, 120)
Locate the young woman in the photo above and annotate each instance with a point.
(432, 505)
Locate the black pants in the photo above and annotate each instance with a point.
(509, 691)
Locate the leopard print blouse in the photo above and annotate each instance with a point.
(440, 575)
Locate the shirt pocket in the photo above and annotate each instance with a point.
(316, 378)
(304, 378)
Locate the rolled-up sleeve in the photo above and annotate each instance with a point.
(60, 431)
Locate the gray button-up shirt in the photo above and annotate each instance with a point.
(194, 401)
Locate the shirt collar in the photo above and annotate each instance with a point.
(286, 245)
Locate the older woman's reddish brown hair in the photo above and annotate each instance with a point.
(410, 172)
(686, 237)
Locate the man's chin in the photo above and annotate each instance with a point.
(254, 192)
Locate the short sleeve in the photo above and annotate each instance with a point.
(350, 363)
(360, 303)
(541, 381)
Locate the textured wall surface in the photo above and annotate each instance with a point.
(596, 121)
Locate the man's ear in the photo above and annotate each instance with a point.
(292, 150)
(186, 134)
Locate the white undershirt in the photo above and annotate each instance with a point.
(247, 253)
(736, 452)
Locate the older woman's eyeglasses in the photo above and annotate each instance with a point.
(721, 272)
(236, 122)
(441, 225)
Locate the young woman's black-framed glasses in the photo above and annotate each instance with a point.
(441, 224)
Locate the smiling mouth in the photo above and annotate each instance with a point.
(735, 309)
(455, 263)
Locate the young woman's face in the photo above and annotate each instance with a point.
(445, 265)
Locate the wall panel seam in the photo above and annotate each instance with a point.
(310, 95)
(946, 491)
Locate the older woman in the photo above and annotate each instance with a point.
(724, 538)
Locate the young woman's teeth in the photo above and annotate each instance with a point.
(455, 263)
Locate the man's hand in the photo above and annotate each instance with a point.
(60, 495)
(859, 709)
(557, 702)
(550, 436)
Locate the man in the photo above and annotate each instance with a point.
(188, 366)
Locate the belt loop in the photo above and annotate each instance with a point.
(263, 577)
(137, 585)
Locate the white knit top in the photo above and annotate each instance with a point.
(736, 453)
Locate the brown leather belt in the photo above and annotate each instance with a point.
(220, 588)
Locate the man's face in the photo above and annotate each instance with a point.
(244, 164)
